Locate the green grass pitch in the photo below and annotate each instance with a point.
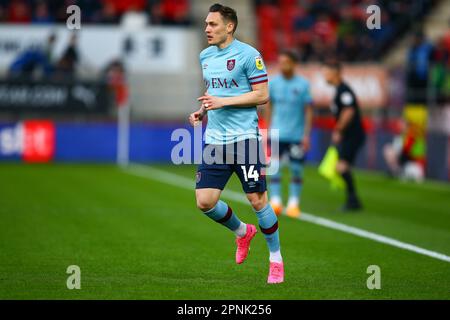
(137, 238)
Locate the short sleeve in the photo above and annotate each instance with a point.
(255, 68)
(271, 89)
(308, 96)
(347, 99)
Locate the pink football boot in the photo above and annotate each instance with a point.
(243, 243)
(276, 272)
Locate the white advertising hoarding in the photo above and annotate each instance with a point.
(154, 49)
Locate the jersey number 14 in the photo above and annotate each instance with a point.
(251, 174)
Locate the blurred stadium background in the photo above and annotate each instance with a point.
(144, 54)
(114, 91)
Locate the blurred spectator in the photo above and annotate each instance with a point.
(108, 14)
(171, 12)
(42, 14)
(66, 66)
(122, 6)
(33, 62)
(2, 11)
(325, 29)
(18, 12)
(418, 64)
(320, 7)
(348, 47)
(115, 77)
(175, 12)
(48, 49)
(347, 25)
(440, 71)
(320, 50)
(339, 24)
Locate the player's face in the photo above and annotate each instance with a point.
(330, 75)
(286, 65)
(216, 28)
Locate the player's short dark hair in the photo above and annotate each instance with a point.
(229, 14)
(290, 54)
(333, 63)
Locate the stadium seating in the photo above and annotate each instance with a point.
(94, 11)
(318, 28)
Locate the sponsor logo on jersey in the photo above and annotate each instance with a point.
(217, 83)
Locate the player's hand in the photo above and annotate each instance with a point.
(210, 102)
(306, 143)
(336, 136)
(195, 118)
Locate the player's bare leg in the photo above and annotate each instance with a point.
(207, 198)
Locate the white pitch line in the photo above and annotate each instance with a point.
(183, 182)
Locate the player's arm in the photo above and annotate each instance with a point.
(309, 112)
(196, 117)
(344, 119)
(268, 113)
(258, 96)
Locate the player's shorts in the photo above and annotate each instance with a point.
(294, 151)
(245, 158)
(349, 146)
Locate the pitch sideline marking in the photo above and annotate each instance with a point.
(183, 182)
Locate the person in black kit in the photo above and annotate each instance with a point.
(348, 134)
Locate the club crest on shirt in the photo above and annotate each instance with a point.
(230, 64)
(259, 63)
